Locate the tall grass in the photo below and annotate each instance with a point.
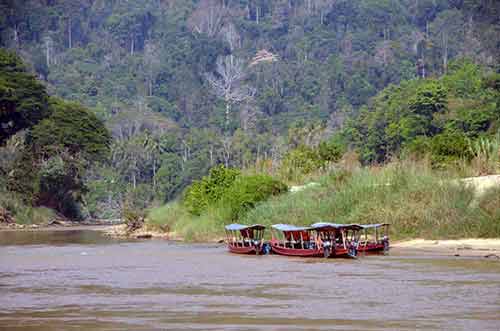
(416, 200)
(486, 152)
(174, 217)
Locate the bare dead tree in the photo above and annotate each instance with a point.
(228, 83)
(323, 6)
(151, 63)
(227, 143)
(230, 34)
(48, 50)
(248, 117)
(207, 17)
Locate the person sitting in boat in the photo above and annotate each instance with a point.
(318, 241)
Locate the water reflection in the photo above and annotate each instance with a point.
(54, 237)
(153, 285)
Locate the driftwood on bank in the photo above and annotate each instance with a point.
(134, 224)
(6, 217)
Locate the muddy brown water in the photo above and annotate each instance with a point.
(82, 281)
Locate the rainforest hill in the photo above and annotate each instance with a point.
(282, 87)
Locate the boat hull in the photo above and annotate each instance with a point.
(243, 250)
(380, 247)
(275, 248)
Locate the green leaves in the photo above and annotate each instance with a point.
(23, 100)
(73, 128)
(426, 116)
(247, 191)
(229, 190)
(301, 161)
(429, 98)
(209, 190)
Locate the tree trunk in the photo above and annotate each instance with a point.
(425, 48)
(47, 52)
(211, 154)
(16, 36)
(228, 111)
(151, 84)
(70, 41)
(384, 49)
(445, 52)
(154, 174)
(132, 46)
(226, 149)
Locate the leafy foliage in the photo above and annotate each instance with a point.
(23, 99)
(300, 161)
(247, 191)
(433, 116)
(448, 147)
(59, 185)
(209, 190)
(62, 139)
(73, 128)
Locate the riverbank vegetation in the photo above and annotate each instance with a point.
(48, 145)
(417, 200)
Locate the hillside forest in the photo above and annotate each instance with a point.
(112, 103)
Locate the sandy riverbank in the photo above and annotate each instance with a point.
(459, 247)
(120, 231)
(50, 228)
(58, 225)
(117, 231)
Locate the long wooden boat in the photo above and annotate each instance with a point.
(245, 239)
(373, 238)
(318, 240)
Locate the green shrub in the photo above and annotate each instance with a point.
(418, 147)
(449, 147)
(209, 190)
(247, 191)
(301, 161)
(244, 193)
(331, 151)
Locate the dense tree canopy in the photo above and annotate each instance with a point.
(46, 165)
(433, 115)
(71, 128)
(23, 99)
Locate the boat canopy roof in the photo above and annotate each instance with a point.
(316, 227)
(327, 225)
(371, 226)
(290, 228)
(239, 227)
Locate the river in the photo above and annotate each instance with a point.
(81, 280)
